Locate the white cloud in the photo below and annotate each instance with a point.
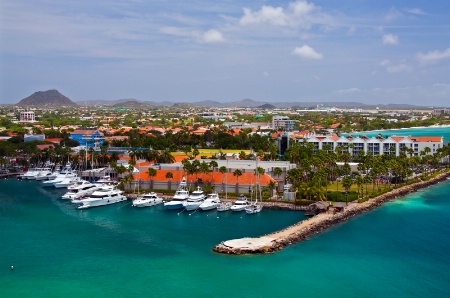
(390, 39)
(213, 36)
(395, 68)
(299, 13)
(416, 11)
(307, 52)
(265, 74)
(267, 14)
(433, 56)
(301, 8)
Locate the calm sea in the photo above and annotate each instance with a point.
(399, 250)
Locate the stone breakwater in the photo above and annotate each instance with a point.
(305, 229)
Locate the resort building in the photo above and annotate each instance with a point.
(88, 137)
(282, 123)
(392, 145)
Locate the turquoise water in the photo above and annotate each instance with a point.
(420, 131)
(399, 250)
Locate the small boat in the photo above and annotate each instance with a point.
(195, 199)
(240, 204)
(147, 200)
(212, 201)
(103, 196)
(224, 206)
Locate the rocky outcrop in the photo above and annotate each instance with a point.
(302, 231)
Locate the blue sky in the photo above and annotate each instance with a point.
(376, 52)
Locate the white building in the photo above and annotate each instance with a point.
(379, 146)
(282, 123)
(27, 117)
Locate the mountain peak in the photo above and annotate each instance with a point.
(49, 98)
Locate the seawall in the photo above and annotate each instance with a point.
(303, 230)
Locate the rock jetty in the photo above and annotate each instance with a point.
(305, 229)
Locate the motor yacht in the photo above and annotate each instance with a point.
(147, 200)
(103, 196)
(212, 201)
(66, 182)
(30, 173)
(240, 204)
(42, 174)
(178, 199)
(59, 178)
(195, 199)
(80, 190)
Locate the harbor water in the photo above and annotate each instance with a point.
(398, 250)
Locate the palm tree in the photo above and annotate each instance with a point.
(169, 176)
(277, 171)
(347, 182)
(151, 173)
(272, 185)
(237, 173)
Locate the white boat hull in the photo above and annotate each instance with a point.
(89, 203)
(174, 205)
(191, 206)
(146, 203)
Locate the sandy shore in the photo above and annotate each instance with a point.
(300, 231)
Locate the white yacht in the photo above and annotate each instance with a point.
(212, 201)
(147, 200)
(43, 174)
(30, 173)
(103, 196)
(66, 182)
(80, 190)
(195, 199)
(240, 204)
(59, 178)
(178, 199)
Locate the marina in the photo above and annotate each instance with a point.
(154, 244)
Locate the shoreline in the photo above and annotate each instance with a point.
(303, 230)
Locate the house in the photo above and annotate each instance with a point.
(88, 137)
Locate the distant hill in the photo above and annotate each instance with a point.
(49, 98)
(132, 104)
(249, 103)
(267, 106)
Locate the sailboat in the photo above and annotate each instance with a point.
(255, 207)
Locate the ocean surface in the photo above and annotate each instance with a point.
(399, 250)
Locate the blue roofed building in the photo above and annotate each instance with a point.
(88, 137)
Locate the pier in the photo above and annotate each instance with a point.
(305, 229)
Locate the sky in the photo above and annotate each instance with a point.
(374, 52)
